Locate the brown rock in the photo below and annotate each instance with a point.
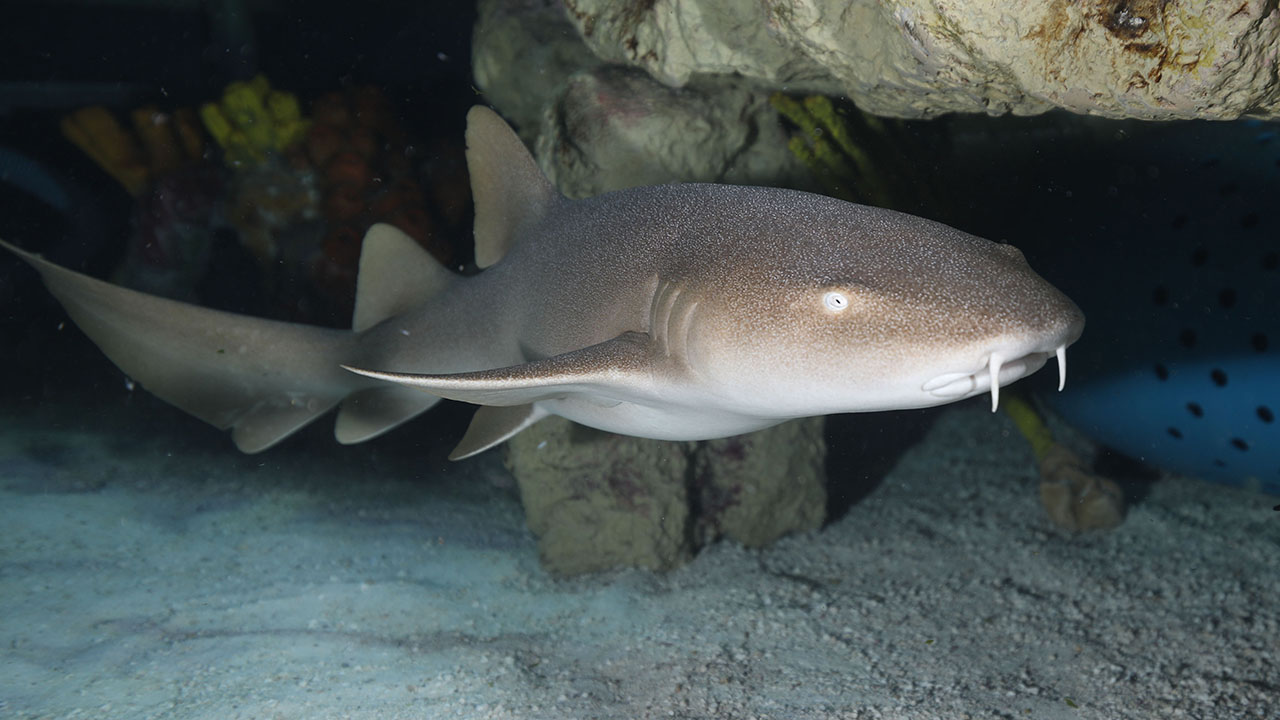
(756, 488)
(1075, 499)
(597, 501)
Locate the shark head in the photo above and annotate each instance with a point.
(853, 308)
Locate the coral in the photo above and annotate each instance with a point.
(1029, 424)
(177, 194)
(253, 121)
(859, 157)
(1073, 498)
(362, 157)
(826, 146)
(159, 143)
(299, 191)
(266, 201)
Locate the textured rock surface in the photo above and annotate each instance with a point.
(1076, 499)
(606, 128)
(522, 52)
(597, 501)
(614, 128)
(1155, 59)
(755, 488)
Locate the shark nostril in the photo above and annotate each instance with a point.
(995, 369)
(942, 381)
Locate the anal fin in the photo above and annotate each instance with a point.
(267, 423)
(493, 425)
(369, 413)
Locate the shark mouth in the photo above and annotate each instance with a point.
(998, 370)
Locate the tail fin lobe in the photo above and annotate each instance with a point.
(263, 379)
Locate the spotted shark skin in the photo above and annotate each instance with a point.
(679, 312)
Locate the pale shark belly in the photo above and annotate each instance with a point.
(660, 423)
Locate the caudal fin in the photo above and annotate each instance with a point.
(262, 379)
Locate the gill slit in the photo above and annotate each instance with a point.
(664, 297)
(671, 321)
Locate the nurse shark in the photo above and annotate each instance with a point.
(678, 312)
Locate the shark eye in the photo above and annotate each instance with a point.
(835, 301)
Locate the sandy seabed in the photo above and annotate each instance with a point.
(147, 570)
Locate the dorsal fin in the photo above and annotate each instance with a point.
(508, 189)
(396, 274)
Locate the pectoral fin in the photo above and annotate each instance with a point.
(494, 425)
(616, 369)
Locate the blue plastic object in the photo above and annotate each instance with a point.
(1216, 420)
